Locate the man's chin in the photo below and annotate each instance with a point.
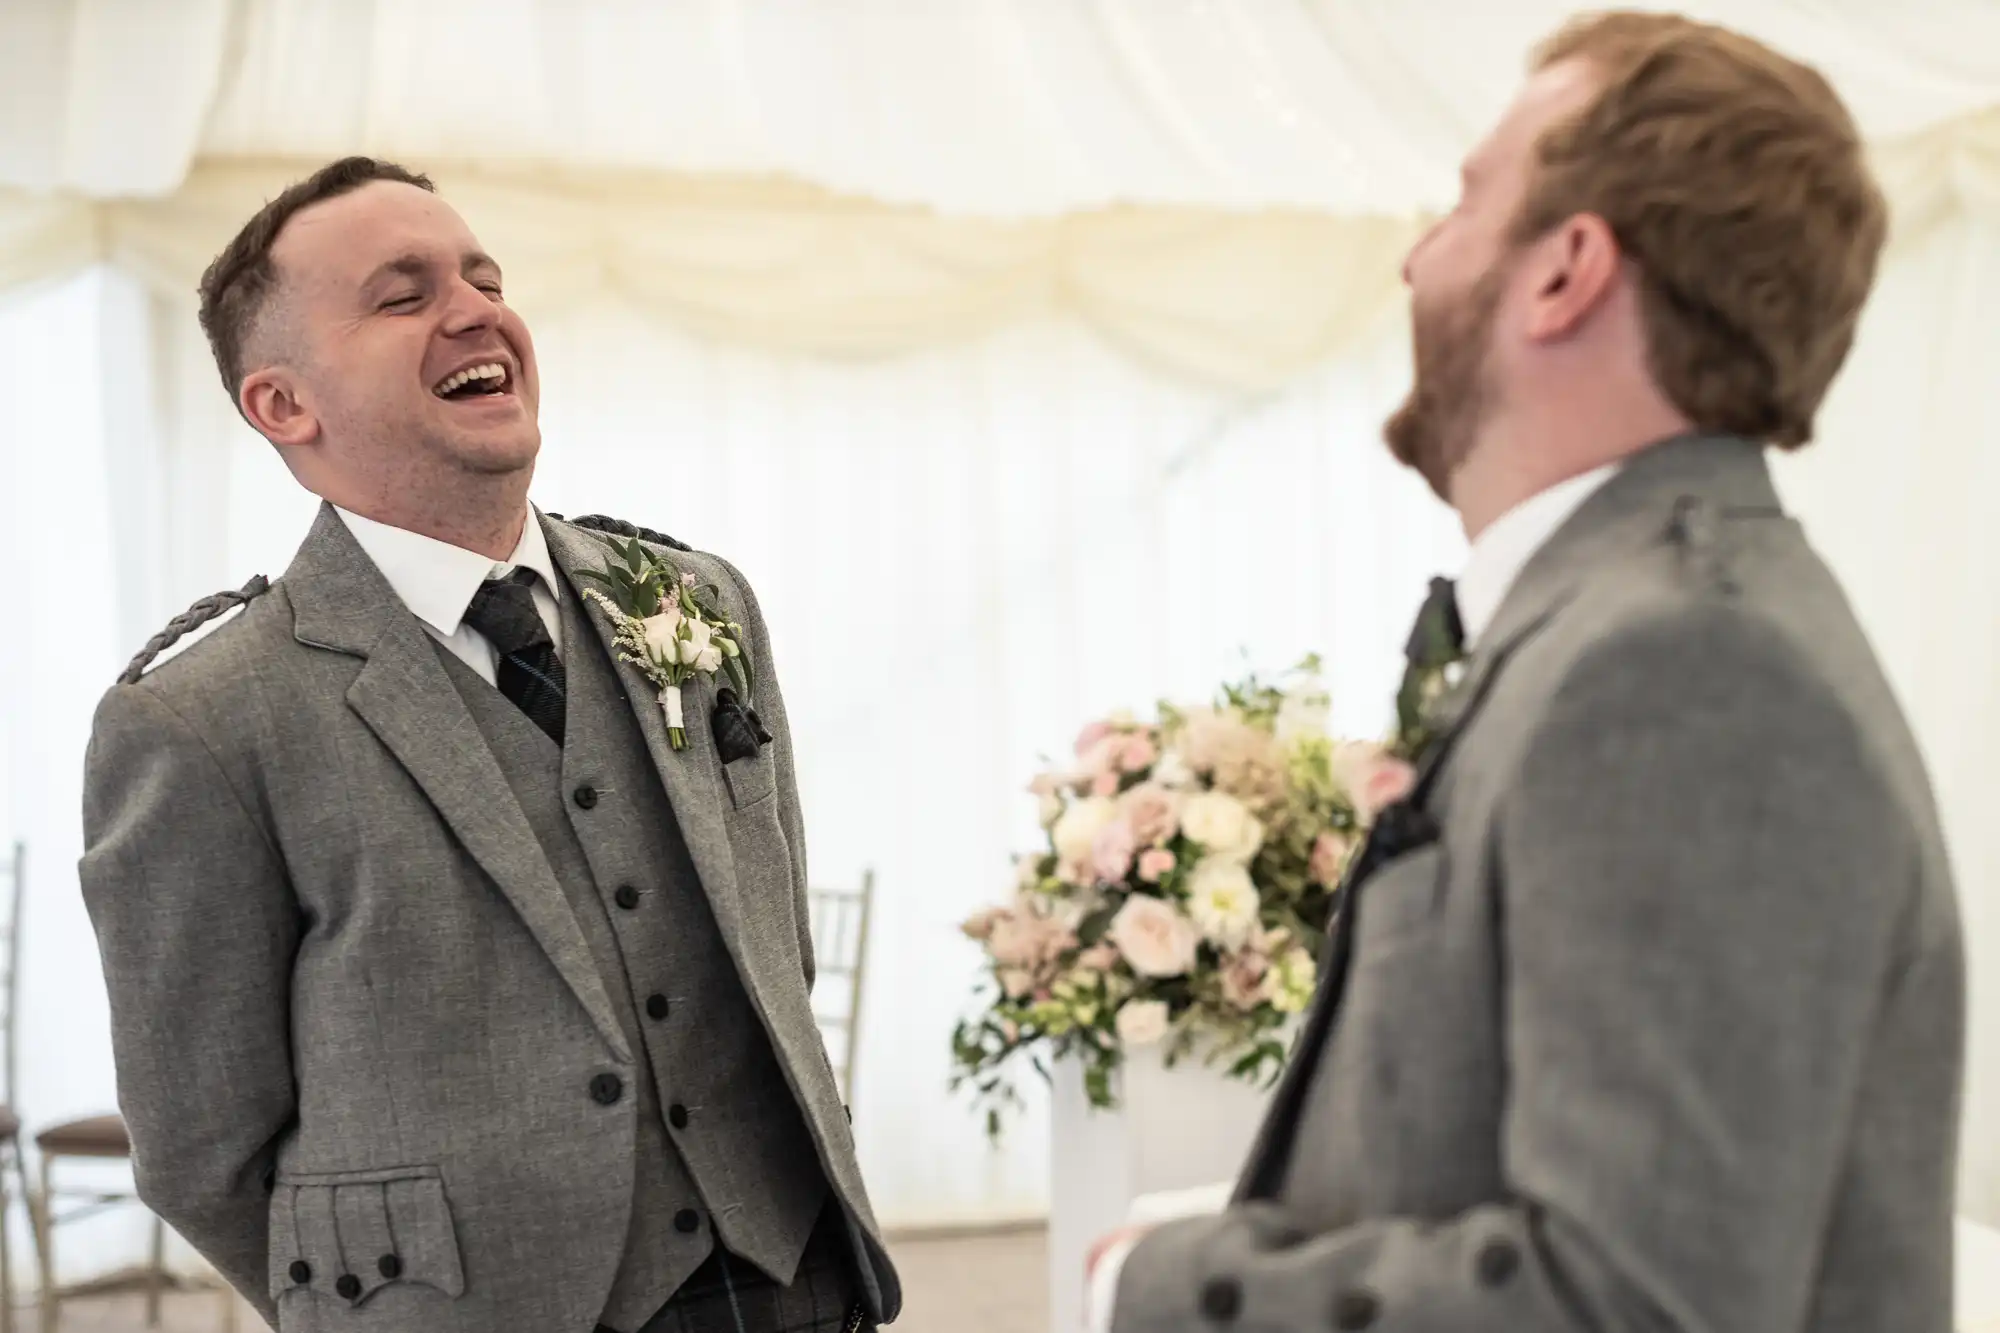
(496, 453)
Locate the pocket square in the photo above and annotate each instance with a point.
(738, 732)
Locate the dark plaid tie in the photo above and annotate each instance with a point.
(530, 673)
(1437, 642)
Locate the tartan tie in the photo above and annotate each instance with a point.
(530, 674)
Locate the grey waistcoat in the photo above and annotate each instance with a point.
(721, 1146)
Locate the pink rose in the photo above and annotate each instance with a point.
(1374, 778)
(1155, 863)
(1087, 739)
(1098, 957)
(1155, 938)
(1105, 784)
(1111, 853)
(1153, 812)
(980, 925)
(1329, 857)
(1243, 979)
(1015, 940)
(1138, 753)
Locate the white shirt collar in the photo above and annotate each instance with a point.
(1506, 546)
(435, 579)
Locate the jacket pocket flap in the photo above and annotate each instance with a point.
(349, 1234)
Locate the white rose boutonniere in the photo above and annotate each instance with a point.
(669, 624)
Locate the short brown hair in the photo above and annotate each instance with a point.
(1735, 180)
(238, 284)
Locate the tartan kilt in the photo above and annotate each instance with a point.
(731, 1295)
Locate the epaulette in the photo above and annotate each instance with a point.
(618, 527)
(203, 611)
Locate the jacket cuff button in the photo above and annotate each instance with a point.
(390, 1266)
(1497, 1262)
(1222, 1299)
(348, 1287)
(300, 1272)
(1355, 1310)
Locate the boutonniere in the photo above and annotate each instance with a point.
(669, 624)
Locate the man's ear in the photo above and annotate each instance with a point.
(273, 400)
(1576, 266)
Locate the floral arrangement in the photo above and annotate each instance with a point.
(1187, 881)
(667, 623)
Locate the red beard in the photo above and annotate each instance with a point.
(1432, 432)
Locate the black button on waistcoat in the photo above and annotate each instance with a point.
(1222, 1299)
(687, 1219)
(390, 1266)
(627, 897)
(677, 1116)
(1355, 1310)
(586, 796)
(348, 1287)
(656, 1007)
(606, 1089)
(1497, 1262)
(301, 1272)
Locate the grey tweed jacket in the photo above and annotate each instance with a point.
(296, 820)
(1653, 1019)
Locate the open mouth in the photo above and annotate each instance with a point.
(481, 381)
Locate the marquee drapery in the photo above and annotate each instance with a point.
(1222, 190)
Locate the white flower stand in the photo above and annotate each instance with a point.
(1174, 1129)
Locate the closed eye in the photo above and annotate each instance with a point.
(402, 302)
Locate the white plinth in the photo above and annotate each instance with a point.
(1174, 1129)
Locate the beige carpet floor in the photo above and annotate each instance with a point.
(981, 1284)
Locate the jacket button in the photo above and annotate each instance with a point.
(390, 1266)
(687, 1220)
(301, 1272)
(1355, 1310)
(348, 1287)
(586, 796)
(1222, 1299)
(677, 1116)
(606, 1089)
(656, 1007)
(1497, 1262)
(627, 897)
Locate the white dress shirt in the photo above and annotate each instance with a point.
(1500, 553)
(436, 580)
(1498, 556)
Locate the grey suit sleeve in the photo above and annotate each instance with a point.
(1699, 872)
(770, 705)
(197, 928)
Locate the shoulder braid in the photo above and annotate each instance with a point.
(618, 527)
(203, 611)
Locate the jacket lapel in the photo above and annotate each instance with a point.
(692, 777)
(343, 603)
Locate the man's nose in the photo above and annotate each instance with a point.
(1410, 259)
(468, 310)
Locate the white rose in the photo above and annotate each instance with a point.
(710, 659)
(1223, 902)
(1077, 828)
(1172, 771)
(1223, 826)
(697, 642)
(1142, 1022)
(663, 633)
(1156, 940)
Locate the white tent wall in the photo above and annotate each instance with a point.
(1066, 439)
